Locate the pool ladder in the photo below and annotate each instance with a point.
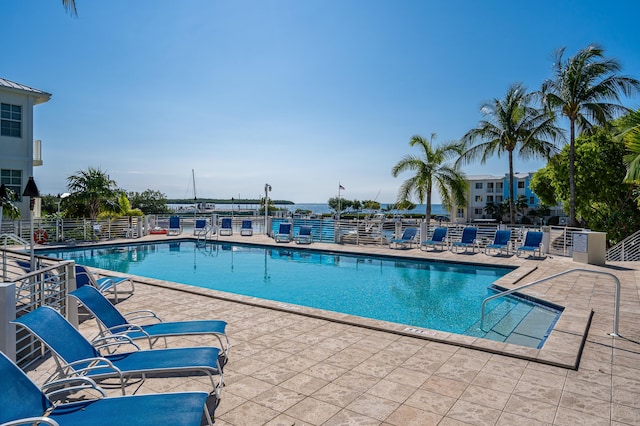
(201, 235)
(616, 313)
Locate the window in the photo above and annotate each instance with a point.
(11, 120)
(489, 198)
(499, 185)
(478, 211)
(478, 198)
(460, 212)
(498, 198)
(478, 185)
(12, 179)
(531, 201)
(489, 186)
(521, 184)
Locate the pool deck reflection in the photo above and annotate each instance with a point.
(295, 365)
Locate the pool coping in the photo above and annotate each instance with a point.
(562, 348)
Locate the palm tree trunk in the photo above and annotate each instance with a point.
(512, 203)
(573, 220)
(428, 214)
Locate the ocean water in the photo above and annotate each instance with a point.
(316, 208)
(323, 208)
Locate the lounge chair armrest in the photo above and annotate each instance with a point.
(142, 313)
(65, 386)
(105, 284)
(32, 421)
(125, 328)
(93, 364)
(118, 340)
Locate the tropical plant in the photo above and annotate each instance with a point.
(432, 172)
(150, 201)
(522, 204)
(581, 90)
(92, 190)
(9, 210)
(512, 123)
(339, 205)
(630, 134)
(122, 207)
(370, 205)
(605, 202)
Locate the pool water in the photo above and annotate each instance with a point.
(435, 295)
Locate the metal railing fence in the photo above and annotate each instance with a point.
(47, 285)
(627, 250)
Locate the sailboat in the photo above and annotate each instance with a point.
(200, 207)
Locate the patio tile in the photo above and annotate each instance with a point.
(410, 416)
(313, 411)
(338, 395)
(249, 413)
(474, 413)
(373, 406)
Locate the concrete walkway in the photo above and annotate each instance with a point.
(286, 368)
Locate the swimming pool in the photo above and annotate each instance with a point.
(435, 295)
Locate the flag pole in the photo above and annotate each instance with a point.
(339, 209)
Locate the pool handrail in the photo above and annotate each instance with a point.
(616, 313)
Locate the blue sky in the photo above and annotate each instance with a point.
(298, 94)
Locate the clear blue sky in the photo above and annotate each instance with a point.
(300, 94)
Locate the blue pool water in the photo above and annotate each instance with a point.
(435, 295)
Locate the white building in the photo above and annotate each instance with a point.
(19, 152)
(485, 189)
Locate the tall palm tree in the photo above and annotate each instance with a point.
(92, 188)
(432, 171)
(511, 123)
(70, 6)
(581, 90)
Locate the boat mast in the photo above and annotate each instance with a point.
(195, 197)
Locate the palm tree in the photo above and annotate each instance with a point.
(432, 170)
(512, 123)
(581, 90)
(70, 6)
(92, 188)
(630, 134)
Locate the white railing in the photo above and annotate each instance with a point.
(23, 290)
(627, 250)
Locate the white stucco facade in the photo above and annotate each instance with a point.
(16, 136)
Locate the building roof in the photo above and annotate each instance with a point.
(39, 95)
(516, 175)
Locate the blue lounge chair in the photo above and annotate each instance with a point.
(247, 228)
(112, 322)
(201, 228)
(501, 241)
(467, 240)
(284, 234)
(226, 226)
(532, 243)
(407, 239)
(174, 226)
(23, 403)
(75, 355)
(437, 239)
(104, 284)
(304, 235)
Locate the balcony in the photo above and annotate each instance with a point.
(37, 153)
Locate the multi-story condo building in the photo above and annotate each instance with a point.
(486, 189)
(19, 152)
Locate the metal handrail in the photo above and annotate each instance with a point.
(616, 301)
(15, 238)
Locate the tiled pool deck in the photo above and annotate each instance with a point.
(291, 369)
